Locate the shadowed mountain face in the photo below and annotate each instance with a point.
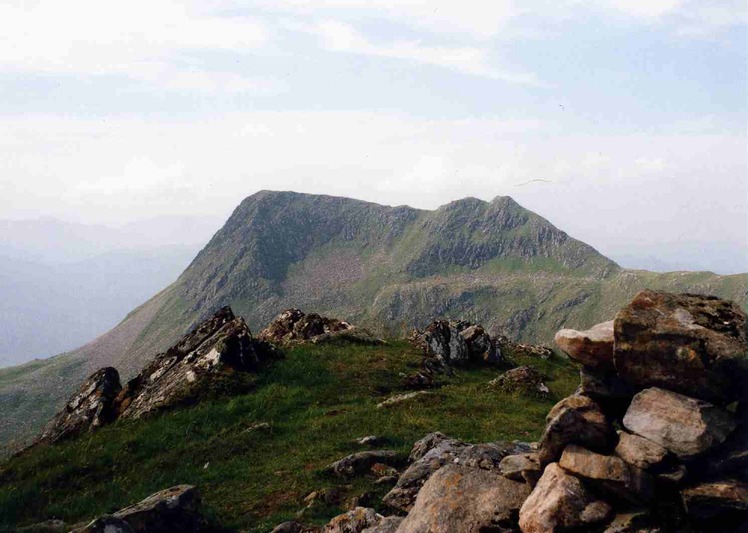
(386, 268)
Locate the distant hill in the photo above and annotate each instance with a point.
(388, 268)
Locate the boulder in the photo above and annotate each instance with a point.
(524, 380)
(106, 524)
(717, 499)
(361, 462)
(481, 348)
(560, 502)
(173, 509)
(91, 407)
(692, 344)
(610, 474)
(685, 426)
(354, 521)
(460, 499)
(443, 342)
(593, 347)
(389, 524)
(638, 451)
(574, 420)
(293, 326)
(220, 345)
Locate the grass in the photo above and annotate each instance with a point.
(317, 401)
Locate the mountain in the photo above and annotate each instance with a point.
(386, 268)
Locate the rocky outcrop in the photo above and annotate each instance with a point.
(481, 347)
(88, 409)
(293, 326)
(695, 345)
(457, 343)
(523, 380)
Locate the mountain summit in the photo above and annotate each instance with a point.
(388, 269)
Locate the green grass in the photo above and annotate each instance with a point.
(316, 400)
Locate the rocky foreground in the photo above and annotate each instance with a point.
(655, 439)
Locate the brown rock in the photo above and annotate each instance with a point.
(362, 462)
(592, 347)
(559, 502)
(685, 426)
(481, 348)
(354, 521)
(521, 467)
(460, 499)
(639, 451)
(574, 420)
(611, 474)
(692, 344)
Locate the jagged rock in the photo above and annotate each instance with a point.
(389, 524)
(633, 522)
(592, 347)
(460, 499)
(173, 509)
(109, 524)
(400, 398)
(521, 467)
(692, 344)
(638, 451)
(88, 409)
(354, 521)
(442, 341)
(426, 444)
(685, 426)
(480, 345)
(361, 462)
(443, 450)
(523, 379)
(610, 474)
(293, 326)
(221, 343)
(560, 502)
(717, 499)
(574, 420)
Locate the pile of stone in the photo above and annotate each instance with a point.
(220, 346)
(293, 326)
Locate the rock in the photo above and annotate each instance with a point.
(361, 462)
(460, 499)
(633, 522)
(692, 344)
(521, 467)
(445, 451)
(560, 502)
(389, 524)
(638, 451)
(380, 470)
(107, 524)
(220, 345)
(354, 521)
(574, 420)
(422, 379)
(370, 440)
(716, 499)
(442, 341)
(426, 444)
(593, 347)
(90, 408)
(481, 348)
(524, 380)
(400, 398)
(534, 350)
(293, 326)
(173, 509)
(610, 474)
(685, 426)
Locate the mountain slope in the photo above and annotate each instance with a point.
(388, 268)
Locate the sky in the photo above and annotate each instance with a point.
(623, 122)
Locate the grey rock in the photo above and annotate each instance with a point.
(173, 509)
(426, 444)
(442, 341)
(361, 462)
(481, 348)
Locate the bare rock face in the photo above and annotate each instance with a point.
(718, 499)
(638, 451)
(610, 474)
(293, 326)
(361, 462)
(354, 521)
(88, 409)
(460, 499)
(173, 509)
(692, 344)
(560, 502)
(685, 426)
(222, 343)
(574, 420)
(524, 380)
(592, 347)
(480, 345)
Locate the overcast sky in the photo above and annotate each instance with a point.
(633, 113)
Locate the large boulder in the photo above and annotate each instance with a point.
(611, 475)
(692, 344)
(685, 426)
(574, 420)
(461, 499)
(592, 347)
(560, 502)
(218, 346)
(91, 407)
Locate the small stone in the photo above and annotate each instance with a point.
(592, 347)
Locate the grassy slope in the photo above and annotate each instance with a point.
(317, 400)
